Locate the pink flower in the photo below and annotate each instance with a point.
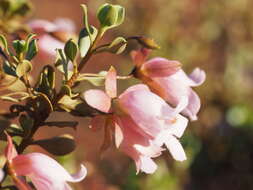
(171, 86)
(142, 120)
(52, 35)
(156, 118)
(44, 172)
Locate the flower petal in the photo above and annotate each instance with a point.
(98, 100)
(175, 149)
(193, 106)
(144, 107)
(39, 26)
(135, 88)
(197, 76)
(147, 165)
(178, 127)
(65, 25)
(160, 67)
(48, 45)
(119, 136)
(111, 83)
(79, 176)
(139, 56)
(10, 151)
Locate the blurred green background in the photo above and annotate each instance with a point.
(215, 35)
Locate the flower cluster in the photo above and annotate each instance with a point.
(147, 116)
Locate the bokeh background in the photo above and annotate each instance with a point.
(215, 35)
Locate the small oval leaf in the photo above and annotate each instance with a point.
(58, 146)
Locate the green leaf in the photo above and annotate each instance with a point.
(4, 43)
(19, 46)
(85, 20)
(28, 40)
(62, 63)
(32, 50)
(23, 68)
(58, 146)
(118, 45)
(70, 50)
(68, 104)
(110, 16)
(46, 82)
(26, 123)
(62, 124)
(15, 97)
(84, 41)
(9, 69)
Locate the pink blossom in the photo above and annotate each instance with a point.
(52, 35)
(156, 118)
(142, 120)
(44, 172)
(171, 86)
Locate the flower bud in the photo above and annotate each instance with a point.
(110, 15)
(147, 42)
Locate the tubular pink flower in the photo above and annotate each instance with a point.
(166, 79)
(174, 87)
(156, 118)
(143, 122)
(44, 172)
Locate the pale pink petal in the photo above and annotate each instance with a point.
(48, 45)
(175, 149)
(97, 122)
(79, 176)
(1, 175)
(40, 26)
(183, 103)
(65, 25)
(144, 107)
(147, 165)
(198, 76)
(135, 88)
(119, 135)
(151, 151)
(139, 56)
(10, 151)
(111, 83)
(193, 107)
(178, 126)
(172, 88)
(98, 100)
(160, 67)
